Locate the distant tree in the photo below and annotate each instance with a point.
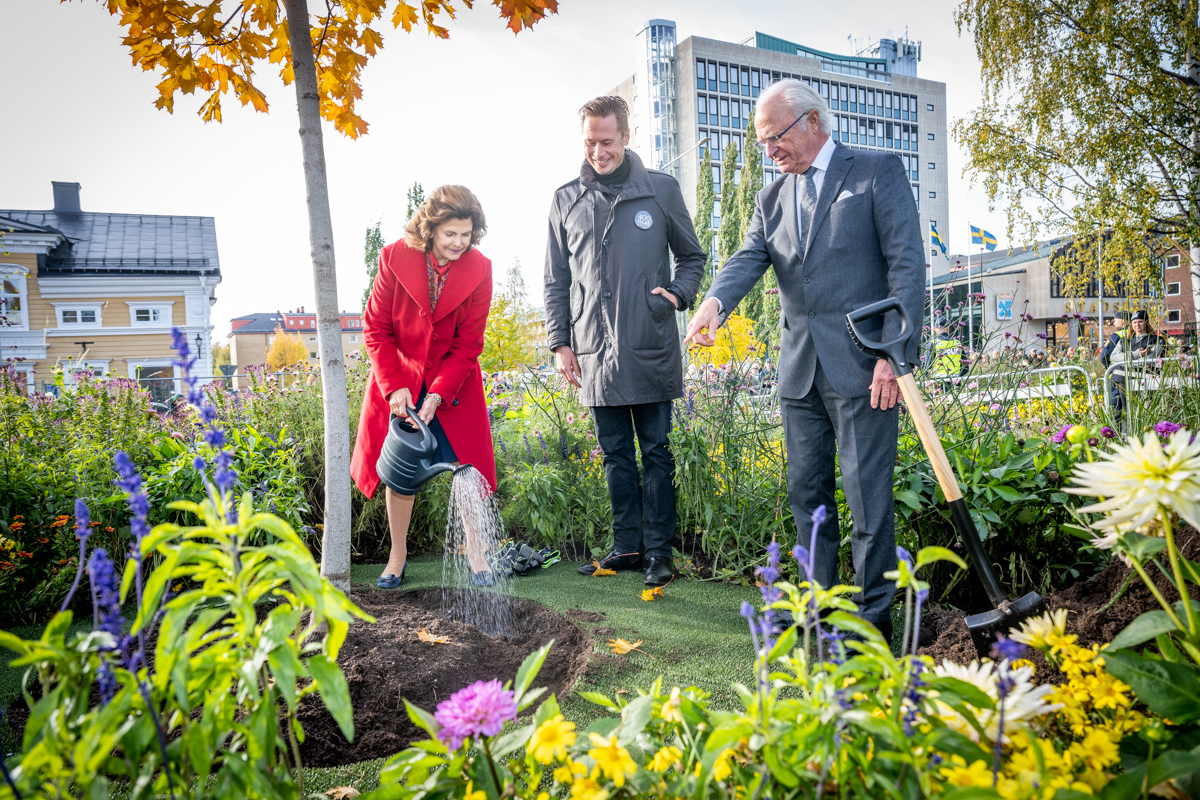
(286, 350)
(374, 243)
(735, 343)
(509, 341)
(214, 46)
(706, 201)
(416, 196)
(1090, 122)
(757, 305)
(220, 355)
(731, 221)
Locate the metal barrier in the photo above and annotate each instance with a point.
(1031, 391)
(1144, 375)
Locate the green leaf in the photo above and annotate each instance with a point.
(530, 668)
(1170, 690)
(634, 718)
(928, 555)
(530, 697)
(971, 793)
(599, 699)
(547, 710)
(1143, 629)
(335, 694)
(954, 690)
(1142, 547)
(1008, 495)
(1169, 766)
(953, 743)
(909, 499)
(423, 719)
(784, 645)
(12, 642)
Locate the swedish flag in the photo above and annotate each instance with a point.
(936, 238)
(980, 236)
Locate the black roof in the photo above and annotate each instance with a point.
(259, 323)
(123, 243)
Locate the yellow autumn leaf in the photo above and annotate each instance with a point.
(623, 648)
(343, 792)
(601, 571)
(424, 636)
(652, 594)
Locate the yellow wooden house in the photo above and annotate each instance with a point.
(82, 290)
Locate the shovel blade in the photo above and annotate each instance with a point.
(984, 627)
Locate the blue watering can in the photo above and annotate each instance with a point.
(405, 461)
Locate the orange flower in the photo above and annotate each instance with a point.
(62, 561)
(95, 524)
(25, 554)
(19, 516)
(108, 529)
(16, 526)
(42, 540)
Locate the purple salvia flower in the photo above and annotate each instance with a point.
(903, 555)
(105, 593)
(480, 709)
(1006, 649)
(83, 529)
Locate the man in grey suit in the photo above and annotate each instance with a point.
(841, 230)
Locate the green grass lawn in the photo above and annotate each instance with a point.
(692, 637)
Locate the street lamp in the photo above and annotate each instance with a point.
(199, 344)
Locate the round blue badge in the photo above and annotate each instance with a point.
(643, 220)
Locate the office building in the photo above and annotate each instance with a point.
(683, 92)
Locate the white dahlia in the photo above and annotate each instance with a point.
(1140, 478)
(1025, 702)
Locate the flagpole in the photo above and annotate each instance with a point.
(970, 297)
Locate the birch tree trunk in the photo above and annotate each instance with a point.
(335, 539)
(1193, 73)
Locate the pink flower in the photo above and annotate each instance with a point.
(1061, 436)
(479, 709)
(570, 419)
(1165, 428)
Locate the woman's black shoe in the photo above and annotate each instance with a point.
(658, 571)
(615, 561)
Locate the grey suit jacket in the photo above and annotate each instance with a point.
(861, 249)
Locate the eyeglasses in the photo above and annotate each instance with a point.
(774, 141)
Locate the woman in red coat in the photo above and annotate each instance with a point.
(423, 329)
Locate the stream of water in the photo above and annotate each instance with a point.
(474, 526)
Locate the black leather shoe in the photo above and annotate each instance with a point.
(658, 571)
(621, 562)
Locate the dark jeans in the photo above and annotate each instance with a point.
(643, 513)
(817, 428)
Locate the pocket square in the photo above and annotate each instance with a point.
(845, 193)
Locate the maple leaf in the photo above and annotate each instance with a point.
(427, 637)
(343, 792)
(622, 647)
(652, 594)
(601, 571)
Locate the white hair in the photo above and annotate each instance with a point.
(800, 99)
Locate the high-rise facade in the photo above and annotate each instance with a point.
(684, 92)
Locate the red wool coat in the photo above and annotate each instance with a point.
(409, 346)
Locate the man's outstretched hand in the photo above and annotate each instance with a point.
(703, 328)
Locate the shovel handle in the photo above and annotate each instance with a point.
(949, 483)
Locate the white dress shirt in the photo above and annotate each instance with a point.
(821, 162)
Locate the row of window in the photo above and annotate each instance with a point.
(715, 76)
(312, 323)
(88, 315)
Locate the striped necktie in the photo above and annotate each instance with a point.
(808, 205)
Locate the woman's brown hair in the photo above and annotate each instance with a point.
(444, 203)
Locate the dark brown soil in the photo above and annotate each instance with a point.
(951, 641)
(579, 615)
(386, 663)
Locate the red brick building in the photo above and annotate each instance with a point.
(1180, 317)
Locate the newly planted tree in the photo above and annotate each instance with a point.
(215, 47)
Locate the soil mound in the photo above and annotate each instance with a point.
(1088, 619)
(386, 663)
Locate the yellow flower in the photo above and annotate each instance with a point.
(960, 775)
(670, 710)
(1059, 642)
(665, 758)
(1140, 478)
(1097, 750)
(612, 759)
(1107, 691)
(588, 789)
(721, 767)
(551, 740)
(567, 772)
(473, 793)
(1035, 632)
(543, 796)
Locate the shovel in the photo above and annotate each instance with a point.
(1005, 613)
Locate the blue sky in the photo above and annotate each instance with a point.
(486, 109)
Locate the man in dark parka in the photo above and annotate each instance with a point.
(611, 303)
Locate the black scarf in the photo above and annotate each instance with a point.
(613, 182)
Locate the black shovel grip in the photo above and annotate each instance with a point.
(894, 351)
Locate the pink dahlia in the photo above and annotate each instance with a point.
(479, 709)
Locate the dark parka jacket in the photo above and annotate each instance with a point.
(603, 259)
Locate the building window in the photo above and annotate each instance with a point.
(754, 83)
(1174, 316)
(745, 81)
(13, 310)
(932, 165)
(142, 314)
(736, 116)
(353, 339)
(1173, 289)
(724, 112)
(1172, 261)
(702, 110)
(929, 136)
(312, 338)
(929, 106)
(312, 354)
(723, 72)
(733, 79)
(700, 82)
(933, 195)
(79, 315)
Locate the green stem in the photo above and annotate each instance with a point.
(1137, 565)
(487, 750)
(1184, 597)
(1145, 793)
